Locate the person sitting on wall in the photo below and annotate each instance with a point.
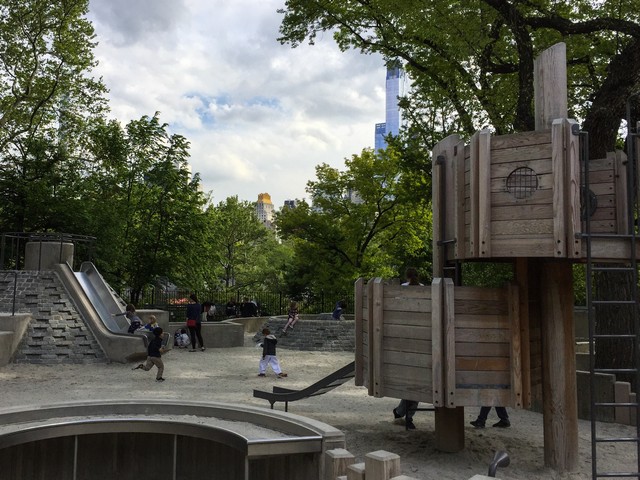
(339, 310)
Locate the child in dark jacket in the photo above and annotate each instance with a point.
(154, 355)
(269, 355)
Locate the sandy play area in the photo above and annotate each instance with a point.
(230, 375)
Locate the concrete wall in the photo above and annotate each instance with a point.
(216, 334)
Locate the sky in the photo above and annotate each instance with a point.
(259, 115)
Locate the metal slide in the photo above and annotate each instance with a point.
(97, 303)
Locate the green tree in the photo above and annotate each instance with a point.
(47, 98)
(362, 222)
(145, 207)
(236, 242)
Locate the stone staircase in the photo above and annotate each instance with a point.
(56, 333)
(312, 334)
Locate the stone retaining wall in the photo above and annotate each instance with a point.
(312, 334)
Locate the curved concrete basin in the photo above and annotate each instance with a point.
(233, 441)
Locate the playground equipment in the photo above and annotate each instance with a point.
(532, 198)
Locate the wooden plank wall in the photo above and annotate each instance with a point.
(483, 345)
(464, 359)
(394, 328)
(489, 221)
(522, 227)
(406, 368)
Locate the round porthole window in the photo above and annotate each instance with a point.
(522, 182)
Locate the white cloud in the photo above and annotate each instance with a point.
(259, 115)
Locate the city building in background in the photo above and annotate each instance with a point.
(393, 89)
(290, 203)
(264, 209)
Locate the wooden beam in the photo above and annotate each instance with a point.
(370, 376)
(484, 193)
(359, 333)
(572, 189)
(449, 334)
(521, 277)
(437, 318)
(459, 189)
(377, 330)
(559, 195)
(516, 346)
(620, 178)
(474, 234)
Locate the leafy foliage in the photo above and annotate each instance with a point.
(363, 221)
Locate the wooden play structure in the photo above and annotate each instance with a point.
(521, 198)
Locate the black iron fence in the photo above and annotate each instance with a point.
(13, 246)
(268, 303)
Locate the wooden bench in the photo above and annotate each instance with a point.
(286, 395)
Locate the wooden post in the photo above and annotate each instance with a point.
(437, 363)
(359, 333)
(560, 402)
(550, 86)
(555, 285)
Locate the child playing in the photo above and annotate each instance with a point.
(182, 338)
(293, 317)
(152, 322)
(269, 355)
(154, 355)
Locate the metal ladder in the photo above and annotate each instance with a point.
(595, 300)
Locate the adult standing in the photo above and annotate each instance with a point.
(194, 322)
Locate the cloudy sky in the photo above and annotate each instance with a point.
(259, 115)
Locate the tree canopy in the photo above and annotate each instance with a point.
(474, 59)
(362, 221)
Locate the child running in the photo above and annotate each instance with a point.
(269, 355)
(154, 355)
(293, 317)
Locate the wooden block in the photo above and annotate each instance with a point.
(516, 346)
(381, 465)
(437, 314)
(622, 394)
(336, 462)
(622, 206)
(355, 471)
(449, 340)
(550, 85)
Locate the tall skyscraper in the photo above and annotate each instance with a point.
(392, 111)
(264, 209)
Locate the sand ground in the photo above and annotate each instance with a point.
(230, 375)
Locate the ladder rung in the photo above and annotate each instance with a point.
(613, 269)
(615, 370)
(614, 404)
(613, 335)
(613, 302)
(605, 235)
(617, 440)
(618, 474)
